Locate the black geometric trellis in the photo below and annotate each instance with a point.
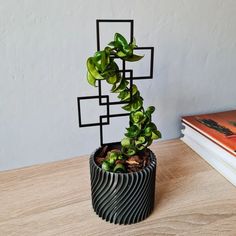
(100, 121)
(126, 73)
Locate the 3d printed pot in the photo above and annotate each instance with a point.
(123, 198)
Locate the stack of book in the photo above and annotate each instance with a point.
(213, 137)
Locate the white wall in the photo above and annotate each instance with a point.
(43, 48)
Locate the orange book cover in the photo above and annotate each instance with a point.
(219, 127)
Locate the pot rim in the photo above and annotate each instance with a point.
(152, 164)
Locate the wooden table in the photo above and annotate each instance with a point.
(54, 199)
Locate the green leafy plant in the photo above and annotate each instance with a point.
(141, 131)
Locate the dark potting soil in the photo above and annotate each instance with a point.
(132, 164)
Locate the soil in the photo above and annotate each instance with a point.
(133, 163)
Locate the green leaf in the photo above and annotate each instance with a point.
(149, 142)
(150, 109)
(91, 79)
(128, 51)
(124, 95)
(137, 104)
(152, 126)
(97, 55)
(106, 166)
(140, 147)
(113, 88)
(114, 66)
(103, 60)
(113, 153)
(133, 44)
(97, 65)
(119, 168)
(134, 89)
(112, 44)
(112, 79)
(130, 152)
(137, 116)
(121, 54)
(107, 73)
(142, 139)
(125, 142)
(133, 58)
(156, 134)
(148, 131)
(97, 60)
(108, 51)
(121, 86)
(126, 107)
(112, 157)
(133, 131)
(120, 40)
(128, 135)
(92, 69)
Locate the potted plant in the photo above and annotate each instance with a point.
(123, 176)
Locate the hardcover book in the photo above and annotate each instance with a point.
(218, 127)
(214, 154)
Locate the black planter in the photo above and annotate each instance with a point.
(123, 198)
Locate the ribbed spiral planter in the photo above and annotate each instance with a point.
(123, 198)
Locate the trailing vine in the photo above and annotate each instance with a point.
(141, 131)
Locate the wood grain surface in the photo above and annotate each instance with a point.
(54, 199)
